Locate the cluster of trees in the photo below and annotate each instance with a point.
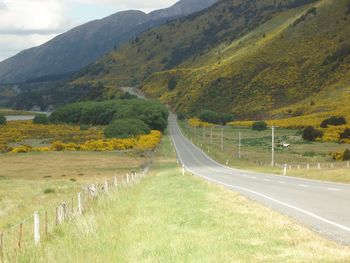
(2, 119)
(215, 117)
(333, 121)
(124, 118)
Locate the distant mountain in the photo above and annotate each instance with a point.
(84, 44)
(250, 58)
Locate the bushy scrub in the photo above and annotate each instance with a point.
(311, 134)
(215, 117)
(153, 113)
(334, 121)
(41, 119)
(345, 134)
(2, 119)
(124, 128)
(259, 126)
(342, 155)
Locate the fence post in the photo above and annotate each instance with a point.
(318, 166)
(308, 166)
(2, 247)
(80, 208)
(127, 178)
(183, 169)
(20, 235)
(106, 186)
(348, 164)
(36, 228)
(332, 165)
(46, 225)
(115, 181)
(285, 169)
(226, 162)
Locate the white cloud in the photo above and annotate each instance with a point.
(131, 4)
(28, 23)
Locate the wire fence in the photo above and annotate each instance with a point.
(256, 148)
(42, 224)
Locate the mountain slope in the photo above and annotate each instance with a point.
(83, 45)
(245, 57)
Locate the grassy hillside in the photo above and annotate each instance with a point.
(175, 218)
(245, 57)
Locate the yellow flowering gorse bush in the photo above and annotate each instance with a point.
(142, 142)
(195, 122)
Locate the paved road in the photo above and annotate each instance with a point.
(325, 207)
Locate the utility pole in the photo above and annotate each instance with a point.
(239, 145)
(273, 146)
(211, 135)
(203, 132)
(222, 138)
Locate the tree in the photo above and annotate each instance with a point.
(345, 134)
(41, 119)
(2, 119)
(209, 116)
(311, 134)
(334, 121)
(172, 83)
(259, 126)
(125, 128)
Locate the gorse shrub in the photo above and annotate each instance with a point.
(311, 134)
(334, 121)
(2, 119)
(259, 126)
(215, 117)
(41, 119)
(342, 155)
(345, 134)
(125, 128)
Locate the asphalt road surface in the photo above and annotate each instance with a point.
(322, 206)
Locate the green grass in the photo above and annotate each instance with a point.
(256, 152)
(39, 181)
(173, 218)
(10, 112)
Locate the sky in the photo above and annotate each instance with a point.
(29, 23)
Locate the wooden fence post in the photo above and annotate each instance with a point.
(183, 169)
(115, 181)
(80, 208)
(46, 225)
(127, 178)
(106, 187)
(308, 166)
(2, 247)
(318, 166)
(36, 228)
(20, 236)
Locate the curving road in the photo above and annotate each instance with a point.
(323, 206)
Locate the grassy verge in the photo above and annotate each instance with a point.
(10, 112)
(35, 181)
(175, 218)
(256, 152)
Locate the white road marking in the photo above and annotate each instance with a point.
(281, 182)
(267, 180)
(303, 185)
(253, 177)
(333, 189)
(345, 228)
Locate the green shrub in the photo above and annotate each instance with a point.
(153, 113)
(49, 191)
(41, 119)
(259, 126)
(84, 127)
(334, 121)
(181, 116)
(311, 134)
(345, 134)
(2, 119)
(172, 83)
(125, 128)
(215, 117)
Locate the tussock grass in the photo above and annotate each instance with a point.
(26, 178)
(175, 218)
